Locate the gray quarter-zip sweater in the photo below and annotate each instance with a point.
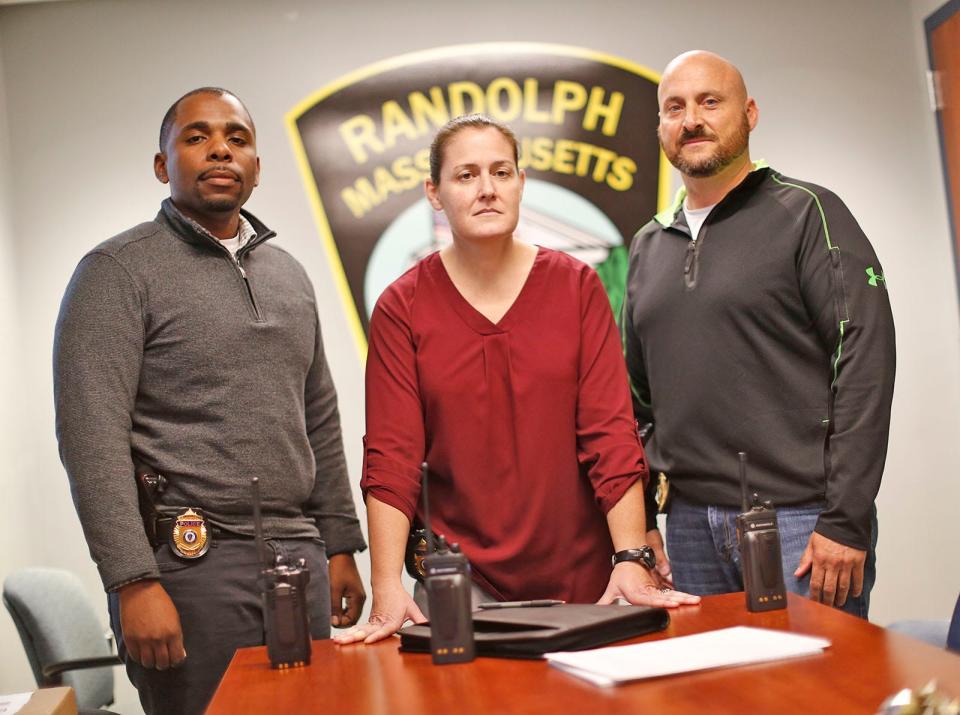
(170, 354)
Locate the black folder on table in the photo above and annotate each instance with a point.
(531, 632)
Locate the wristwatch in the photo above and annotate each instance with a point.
(644, 556)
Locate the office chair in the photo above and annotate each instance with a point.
(942, 633)
(61, 634)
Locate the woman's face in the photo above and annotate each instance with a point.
(480, 185)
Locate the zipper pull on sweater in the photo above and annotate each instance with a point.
(690, 266)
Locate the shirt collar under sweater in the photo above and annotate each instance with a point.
(252, 230)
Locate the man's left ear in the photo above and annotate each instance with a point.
(256, 177)
(160, 167)
(753, 112)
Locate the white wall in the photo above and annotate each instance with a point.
(17, 539)
(842, 102)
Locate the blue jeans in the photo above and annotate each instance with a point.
(703, 551)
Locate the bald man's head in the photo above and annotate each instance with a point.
(706, 115)
(703, 64)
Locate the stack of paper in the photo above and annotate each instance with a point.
(10, 704)
(713, 649)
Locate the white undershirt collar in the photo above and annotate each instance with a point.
(695, 218)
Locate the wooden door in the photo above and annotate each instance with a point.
(943, 46)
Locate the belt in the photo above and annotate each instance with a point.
(165, 530)
(189, 534)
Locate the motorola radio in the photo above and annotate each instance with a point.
(759, 539)
(285, 616)
(447, 580)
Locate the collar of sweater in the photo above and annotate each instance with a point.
(669, 215)
(190, 231)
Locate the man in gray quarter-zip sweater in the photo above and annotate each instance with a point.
(191, 346)
(757, 319)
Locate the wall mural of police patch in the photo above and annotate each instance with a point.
(588, 145)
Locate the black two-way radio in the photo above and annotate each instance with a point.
(286, 619)
(447, 580)
(759, 538)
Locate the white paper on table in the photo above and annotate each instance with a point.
(739, 645)
(10, 704)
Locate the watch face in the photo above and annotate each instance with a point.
(647, 557)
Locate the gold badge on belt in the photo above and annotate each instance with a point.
(663, 492)
(189, 538)
(419, 554)
(415, 553)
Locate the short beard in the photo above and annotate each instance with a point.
(725, 154)
(221, 205)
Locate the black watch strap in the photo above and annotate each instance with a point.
(643, 555)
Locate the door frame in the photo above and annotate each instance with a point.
(935, 20)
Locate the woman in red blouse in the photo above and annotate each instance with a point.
(498, 363)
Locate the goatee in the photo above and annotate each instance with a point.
(221, 205)
(724, 154)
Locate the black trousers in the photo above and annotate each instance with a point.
(218, 599)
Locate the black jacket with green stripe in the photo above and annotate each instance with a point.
(771, 334)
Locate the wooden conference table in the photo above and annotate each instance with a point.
(864, 665)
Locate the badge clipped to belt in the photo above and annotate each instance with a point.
(189, 538)
(415, 553)
(663, 493)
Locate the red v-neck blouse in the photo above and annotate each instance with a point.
(526, 424)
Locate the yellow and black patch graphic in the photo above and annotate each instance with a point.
(587, 126)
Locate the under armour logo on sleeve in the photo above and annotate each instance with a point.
(874, 278)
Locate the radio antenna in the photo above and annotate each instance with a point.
(258, 522)
(425, 472)
(743, 481)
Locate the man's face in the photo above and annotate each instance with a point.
(210, 160)
(705, 116)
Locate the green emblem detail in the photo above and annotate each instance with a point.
(874, 278)
(613, 275)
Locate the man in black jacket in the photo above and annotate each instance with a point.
(757, 319)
